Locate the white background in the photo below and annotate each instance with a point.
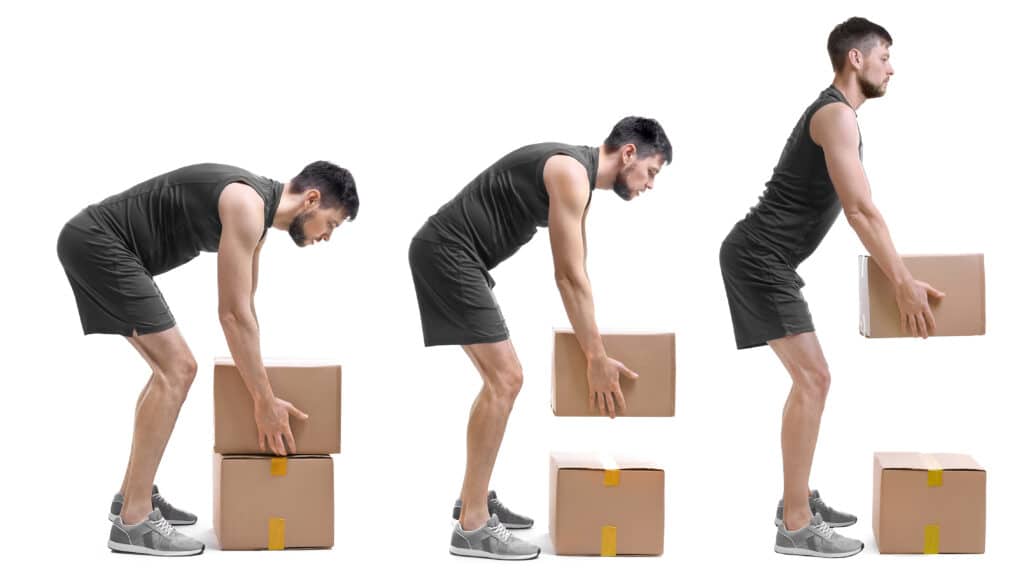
(416, 99)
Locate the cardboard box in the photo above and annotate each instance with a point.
(651, 355)
(960, 313)
(605, 506)
(314, 388)
(262, 503)
(928, 503)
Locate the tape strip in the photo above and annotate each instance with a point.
(931, 539)
(278, 466)
(611, 470)
(608, 540)
(934, 470)
(275, 534)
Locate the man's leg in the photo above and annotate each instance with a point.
(802, 356)
(502, 379)
(138, 405)
(174, 369)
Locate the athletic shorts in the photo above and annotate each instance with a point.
(453, 289)
(764, 294)
(114, 291)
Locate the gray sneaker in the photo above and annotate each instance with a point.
(833, 517)
(154, 536)
(816, 539)
(174, 516)
(510, 519)
(492, 540)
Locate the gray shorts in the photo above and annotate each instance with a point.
(114, 291)
(454, 293)
(764, 294)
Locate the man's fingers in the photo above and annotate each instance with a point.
(622, 399)
(930, 318)
(297, 413)
(600, 403)
(291, 441)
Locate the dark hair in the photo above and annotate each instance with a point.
(859, 33)
(644, 133)
(336, 186)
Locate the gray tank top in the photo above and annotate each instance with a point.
(500, 210)
(168, 220)
(799, 204)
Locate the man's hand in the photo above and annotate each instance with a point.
(272, 425)
(603, 377)
(915, 311)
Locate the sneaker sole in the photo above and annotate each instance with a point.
(142, 550)
(815, 554)
(113, 517)
(469, 552)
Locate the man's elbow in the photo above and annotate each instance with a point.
(233, 317)
(568, 279)
(860, 215)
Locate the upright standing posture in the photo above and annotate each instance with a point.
(818, 175)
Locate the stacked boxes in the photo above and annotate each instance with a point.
(928, 503)
(601, 505)
(266, 502)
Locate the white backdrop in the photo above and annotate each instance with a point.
(416, 99)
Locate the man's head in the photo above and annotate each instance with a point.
(641, 148)
(861, 47)
(328, 199)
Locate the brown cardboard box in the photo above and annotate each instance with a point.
(960, 313)
(314, 388)
(929, 503)
(273, 503)
(651, 355)
(604, 506)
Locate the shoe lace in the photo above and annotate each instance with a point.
(501, 532)
(164, 527)
(823, 529)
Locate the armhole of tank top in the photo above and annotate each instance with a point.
(821, 105)
(223, 184)
(562, 152)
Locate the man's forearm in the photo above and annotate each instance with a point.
(579, 306)
(242, 333)
(874, 235)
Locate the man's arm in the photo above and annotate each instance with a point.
(241, 214)
(568, 189)
(255, 280)
(834, 128)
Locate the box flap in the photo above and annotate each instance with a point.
(619, 332)
(600, 461)
(280, 362)
(925, 461)
(269, 456)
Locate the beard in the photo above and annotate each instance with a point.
(295, 229)
(871, 90)
(621, 188)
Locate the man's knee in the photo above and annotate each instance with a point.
(815, 382)
(179, 375)
(507, 381)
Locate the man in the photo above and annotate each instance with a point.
(111, 251)
(819, 174)
(488, 221)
